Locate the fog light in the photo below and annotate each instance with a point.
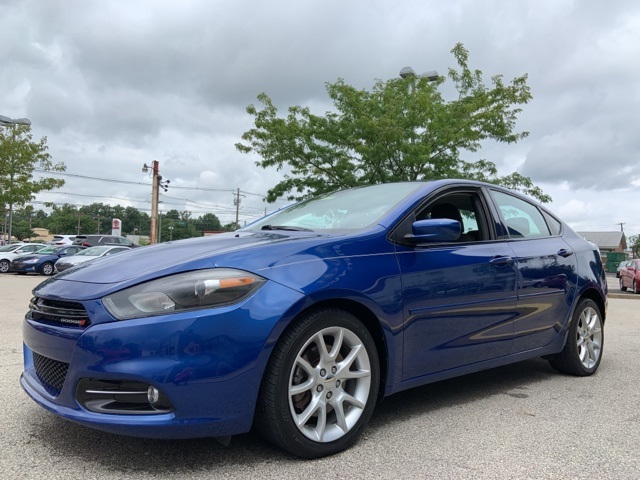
(153, 395)
(128, 397)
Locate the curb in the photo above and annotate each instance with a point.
(628, 296)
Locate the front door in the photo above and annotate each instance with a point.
(459, 298)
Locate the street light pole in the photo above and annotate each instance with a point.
(13, 122)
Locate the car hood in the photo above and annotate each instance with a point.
(31, 256)
(171, 257)
(73, 259)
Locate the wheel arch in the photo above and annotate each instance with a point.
(593, 294)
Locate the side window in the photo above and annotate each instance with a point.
(465, 207)
(522, 219)
(554, 225)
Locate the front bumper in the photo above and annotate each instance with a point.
(207, 363)
(22, 268)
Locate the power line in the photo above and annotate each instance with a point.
(217, 209)
(248, 211)
(128, 182)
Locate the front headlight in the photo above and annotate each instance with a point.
(184, 291)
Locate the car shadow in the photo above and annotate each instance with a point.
(512, 380)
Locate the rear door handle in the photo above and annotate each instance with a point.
(563, 252)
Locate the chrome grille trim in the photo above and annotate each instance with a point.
(58, 312)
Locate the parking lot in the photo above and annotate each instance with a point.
(520, 421)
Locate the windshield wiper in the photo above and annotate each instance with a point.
(285, 227)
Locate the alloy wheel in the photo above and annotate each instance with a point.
(329, 384)
(589, 337)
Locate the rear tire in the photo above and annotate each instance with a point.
(582, 351)
(320, 386)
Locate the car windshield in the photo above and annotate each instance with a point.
(9, 248)
(347, 209)
(48, 250)
(93, 251)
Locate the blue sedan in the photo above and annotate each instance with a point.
(42, 261)
(300, 322)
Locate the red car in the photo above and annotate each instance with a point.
(630, 276)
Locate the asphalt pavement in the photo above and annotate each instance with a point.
(523, 421)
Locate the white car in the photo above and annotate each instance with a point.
(62, 240)
(89, 254)
(9, 252)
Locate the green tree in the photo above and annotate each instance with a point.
(20, 155)
(98, 218)
(634, 245)
(22, 230)
(401, 130)
(209, 222)
(67, 220)
(135, 222)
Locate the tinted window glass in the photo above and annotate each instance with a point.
(554, 225)
(522, 219)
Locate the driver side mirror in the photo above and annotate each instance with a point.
(434, 230)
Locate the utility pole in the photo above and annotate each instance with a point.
(155, 196)
(621, 224)
(156, 185)
(236, 202)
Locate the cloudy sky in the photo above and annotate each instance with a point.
(116, 84)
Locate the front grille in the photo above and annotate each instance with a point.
(50, 372)
(58, 312)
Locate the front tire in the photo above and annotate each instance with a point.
(4, 266)
(320, 386)
(634, 287)
(47, 268)
(582, 352)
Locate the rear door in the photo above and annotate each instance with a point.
(547, 270)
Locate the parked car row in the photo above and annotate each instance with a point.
(13, 250)
(629, 275)
(63, 252)
(42, 261)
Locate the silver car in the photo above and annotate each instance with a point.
(89, 254)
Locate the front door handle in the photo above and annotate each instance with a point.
(501, 261)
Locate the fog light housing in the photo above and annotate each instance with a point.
(122, 397)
